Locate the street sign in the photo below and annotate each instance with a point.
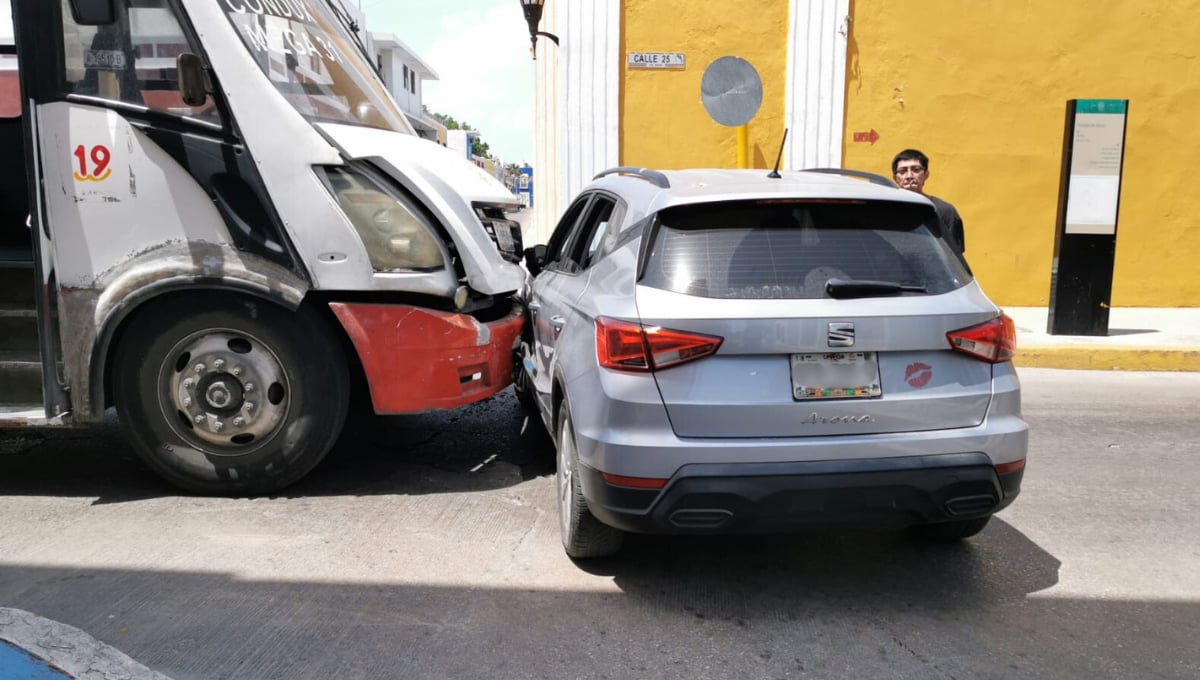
(657, 60)
(731, 91)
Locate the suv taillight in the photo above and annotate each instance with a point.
(625, 346)
(994, 341)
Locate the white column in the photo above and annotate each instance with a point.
(577, 89)
(591, 50)
(546, 171)
(818, 37)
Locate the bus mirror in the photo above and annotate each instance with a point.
(193, 87)
(93, 12)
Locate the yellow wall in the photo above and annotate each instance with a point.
(981, 87)
(663, 122)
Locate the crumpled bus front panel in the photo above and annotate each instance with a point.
(418, 359)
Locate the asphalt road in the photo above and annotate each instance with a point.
(427, 547)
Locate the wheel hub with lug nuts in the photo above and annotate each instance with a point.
(230, 390)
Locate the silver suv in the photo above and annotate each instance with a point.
(730, 351)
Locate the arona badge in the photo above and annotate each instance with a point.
(814, 419)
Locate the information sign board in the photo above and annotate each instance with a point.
(1098, 144)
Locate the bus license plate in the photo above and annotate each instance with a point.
(835, 375)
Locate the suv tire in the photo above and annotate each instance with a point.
(583, 535)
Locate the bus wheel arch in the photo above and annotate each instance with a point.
(122, 300)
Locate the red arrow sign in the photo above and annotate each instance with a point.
(871, 136)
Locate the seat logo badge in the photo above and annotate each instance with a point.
(841, 335)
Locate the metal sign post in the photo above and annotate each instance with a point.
(1085, 242)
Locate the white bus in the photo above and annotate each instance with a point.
(214, 218)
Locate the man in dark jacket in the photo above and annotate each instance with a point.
(910, 168)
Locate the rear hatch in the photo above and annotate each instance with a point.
(833, 316)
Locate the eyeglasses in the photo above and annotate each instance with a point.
(910, 170)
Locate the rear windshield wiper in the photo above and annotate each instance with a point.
(857, 288)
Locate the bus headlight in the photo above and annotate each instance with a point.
(396, 235)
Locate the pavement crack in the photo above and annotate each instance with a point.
(917, 655)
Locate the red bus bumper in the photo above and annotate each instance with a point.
(419, 359)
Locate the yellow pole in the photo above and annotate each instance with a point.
(743, 147)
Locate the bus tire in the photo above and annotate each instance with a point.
(230, 397)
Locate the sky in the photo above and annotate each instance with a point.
(480, 51)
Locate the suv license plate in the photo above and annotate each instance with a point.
(835, 375)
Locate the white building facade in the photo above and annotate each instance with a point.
(405, 74)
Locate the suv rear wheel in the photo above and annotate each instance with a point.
(583, 535)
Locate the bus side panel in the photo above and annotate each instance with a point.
(110, 196)
(111, 193)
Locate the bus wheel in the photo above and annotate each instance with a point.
(236, 398)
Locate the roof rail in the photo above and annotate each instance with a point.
(869, 176)
(653, 176)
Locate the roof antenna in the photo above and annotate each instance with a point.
(774, 174)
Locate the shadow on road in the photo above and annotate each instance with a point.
(483, 446)
(888, 569)
(818, 606)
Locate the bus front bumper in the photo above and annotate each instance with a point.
(418, 359)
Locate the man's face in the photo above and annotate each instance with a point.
(911, 175)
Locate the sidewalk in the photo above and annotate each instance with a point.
(1139, 339)
(36, 648)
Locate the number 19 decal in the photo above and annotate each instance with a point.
(100, 157)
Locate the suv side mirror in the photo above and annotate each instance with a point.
(193, 81)
(93, 12)
(535, 259)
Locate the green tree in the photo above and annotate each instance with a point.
(478, 147)
(448, 121)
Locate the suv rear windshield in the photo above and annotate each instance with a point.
(791, 249)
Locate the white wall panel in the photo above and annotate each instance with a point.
(592, 45)
(577, 88)
(816, 96)
(546, 171)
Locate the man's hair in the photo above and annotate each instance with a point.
(910, 155)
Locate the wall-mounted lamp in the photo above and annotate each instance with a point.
(533, 16)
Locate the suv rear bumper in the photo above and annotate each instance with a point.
(767, 497)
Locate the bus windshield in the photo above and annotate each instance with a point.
(309, 56)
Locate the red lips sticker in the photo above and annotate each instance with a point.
(918, 374)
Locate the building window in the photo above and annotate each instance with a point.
(406, 77)
(414, 82)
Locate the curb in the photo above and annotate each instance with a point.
(1090, 357)
(68, 649)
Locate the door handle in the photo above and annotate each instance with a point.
(533, 306)
(557, 323)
